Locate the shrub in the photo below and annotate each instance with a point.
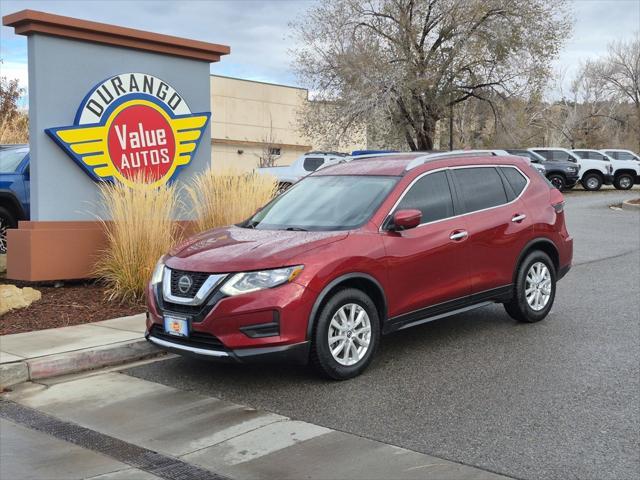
(228, 196)
(141, 230)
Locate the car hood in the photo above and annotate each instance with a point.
(235, 249)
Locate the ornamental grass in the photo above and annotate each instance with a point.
(141, 228)
(225, 197)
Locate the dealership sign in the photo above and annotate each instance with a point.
(133, 128)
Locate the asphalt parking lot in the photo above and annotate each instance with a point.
(558, 399)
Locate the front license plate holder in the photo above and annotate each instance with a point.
(177, 326)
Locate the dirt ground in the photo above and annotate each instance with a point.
(72, 303)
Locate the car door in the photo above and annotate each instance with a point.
(426, 266)
(497, 220)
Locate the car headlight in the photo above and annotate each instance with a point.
(572, 169)
(247, 282)
(158, 271)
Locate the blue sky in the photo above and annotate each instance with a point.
(258, 33)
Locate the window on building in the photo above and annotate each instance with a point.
(275, 151)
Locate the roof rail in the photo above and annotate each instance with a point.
(416, 162)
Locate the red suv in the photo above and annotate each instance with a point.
(363, 249)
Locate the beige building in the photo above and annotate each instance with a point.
(248, 118)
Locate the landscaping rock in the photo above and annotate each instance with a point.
(12, 297)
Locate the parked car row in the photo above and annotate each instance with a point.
(563, 168)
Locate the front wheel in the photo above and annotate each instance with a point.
(557, 181)
(7, 220)
(534, 290)
(346, 336)
(592, 182)
(624, 181)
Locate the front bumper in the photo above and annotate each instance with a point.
(572, 180)
(297, 353)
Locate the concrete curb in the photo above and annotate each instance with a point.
(630, 206)
(75, 362)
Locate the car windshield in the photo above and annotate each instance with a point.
(328, 202)
(10, 158)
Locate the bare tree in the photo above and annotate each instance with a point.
(14, 125)
(270, 147)
(406, 62)
(620, 72)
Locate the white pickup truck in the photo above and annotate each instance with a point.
(625, 172)
(301, 167)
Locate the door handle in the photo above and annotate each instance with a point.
(459, 235)
(518, 217)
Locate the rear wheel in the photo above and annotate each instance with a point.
(558, 181)
(624, 181)
(7, 220)
(346, 336)
(534, 290)
(592, 181)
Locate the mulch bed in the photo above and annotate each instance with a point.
(72, 303)
(635, 201)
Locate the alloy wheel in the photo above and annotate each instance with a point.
(538, 286)
(625, 182)
(557, 182)
(592, 183)
(349, 334)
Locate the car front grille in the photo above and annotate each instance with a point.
(196, 339)
(197, 279)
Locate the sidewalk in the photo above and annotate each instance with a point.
(60, 351)
(117, 426)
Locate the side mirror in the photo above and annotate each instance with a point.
(406, 219)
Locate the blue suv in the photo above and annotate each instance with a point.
(14, 188)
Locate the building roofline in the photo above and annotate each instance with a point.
(259, 81)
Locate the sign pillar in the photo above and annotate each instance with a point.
(106, 103)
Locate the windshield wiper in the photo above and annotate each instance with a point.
(296, 229)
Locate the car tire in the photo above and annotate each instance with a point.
(592, 182)
(624, 181)
(558, 181)
(324, 358)
(534, 290)
(7, 220)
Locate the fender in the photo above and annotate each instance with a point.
(527, 247)
(342, 278)
(8, 197)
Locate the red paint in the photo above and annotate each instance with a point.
(416, 268)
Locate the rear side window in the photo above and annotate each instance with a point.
(432, 196)
(515, 179)
(311, 164)
(624, 156)
(480, 188)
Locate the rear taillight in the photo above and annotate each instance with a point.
(557, 200)
(558, 207)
